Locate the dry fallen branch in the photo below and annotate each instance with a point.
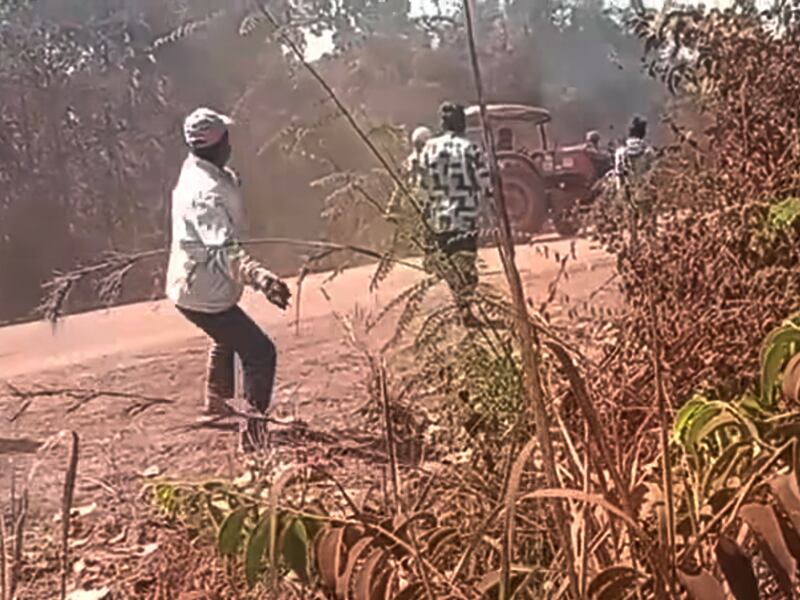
(81, 397)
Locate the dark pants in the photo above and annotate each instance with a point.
(233, 332)
(454, 257)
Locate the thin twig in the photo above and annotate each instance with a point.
(593, 422)
(66, 511)
(527, 335)
(587, 489)
(665, 430)
(3, 556)
(297, 302)
(391, 448)
(19, 536)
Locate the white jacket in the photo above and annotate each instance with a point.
(633, 160)
(208, 221)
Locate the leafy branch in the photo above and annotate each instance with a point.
(111, 271)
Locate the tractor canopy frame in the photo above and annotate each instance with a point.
(513, 115)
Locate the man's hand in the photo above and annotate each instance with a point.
(277, 293)
(253, 274)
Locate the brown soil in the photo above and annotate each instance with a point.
(152, 362)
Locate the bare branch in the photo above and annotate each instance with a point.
(81, 397)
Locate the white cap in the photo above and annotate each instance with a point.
(205, 127)
(420, 135)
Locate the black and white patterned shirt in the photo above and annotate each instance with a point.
(456, 179)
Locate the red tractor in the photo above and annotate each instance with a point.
(539, 181)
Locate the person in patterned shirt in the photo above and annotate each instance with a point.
(455, 178)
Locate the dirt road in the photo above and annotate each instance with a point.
(129, 380)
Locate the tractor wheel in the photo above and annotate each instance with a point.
(565, 210)
(524, 192)
(566, 223)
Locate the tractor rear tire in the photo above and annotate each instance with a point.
(566, 223)
(524, 192)
(565, 210)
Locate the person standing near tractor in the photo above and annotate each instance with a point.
(632, 162)
(419, 137)
(635, 158)
(208, 269)
(400, 205)
(455, 179)
(601, 160)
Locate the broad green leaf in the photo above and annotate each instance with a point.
(256, 546)
(784, 214)
(724, 464)
(296, 547)
(230, 532)
(750, 405)
(790, 380)
(692, 421)
(778, 348)
(714, 419)
(704, 428)
(313, 526)
(685, 416)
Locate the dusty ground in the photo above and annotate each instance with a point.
(151, 363)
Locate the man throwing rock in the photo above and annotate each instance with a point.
(208, 269)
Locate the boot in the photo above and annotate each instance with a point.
(219, 380)
(215, 405)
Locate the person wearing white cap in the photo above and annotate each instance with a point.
(419, 137)
(208, 269)
(411, 171)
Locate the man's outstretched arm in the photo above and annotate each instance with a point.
(253, 274)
